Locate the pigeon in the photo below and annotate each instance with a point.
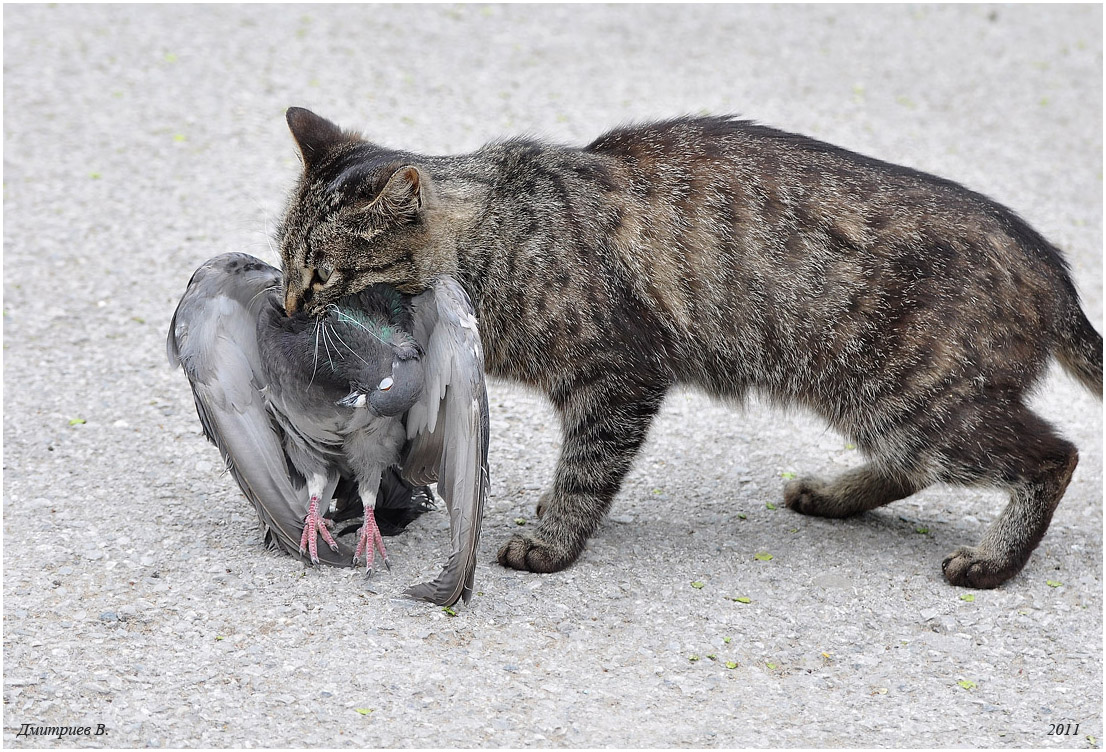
(311, 413)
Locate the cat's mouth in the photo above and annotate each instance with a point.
(303, 302)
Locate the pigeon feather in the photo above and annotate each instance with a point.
(382, 382)
(448, 430)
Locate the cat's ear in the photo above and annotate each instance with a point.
(402, 196)
(314, 135)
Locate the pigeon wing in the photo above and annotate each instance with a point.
(213, 337)
(447, 430)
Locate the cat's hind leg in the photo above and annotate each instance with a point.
(1024, 454)
(850, 493)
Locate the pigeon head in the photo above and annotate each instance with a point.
(394, 394)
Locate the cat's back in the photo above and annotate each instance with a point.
(781, 247)
(774, 172)
(704, 192)
(764, 236)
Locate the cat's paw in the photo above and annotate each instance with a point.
(533, 555)
(968, 566)
(806, 496)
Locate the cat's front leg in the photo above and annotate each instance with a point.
(604, 424)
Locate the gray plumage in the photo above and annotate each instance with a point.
(297, 403)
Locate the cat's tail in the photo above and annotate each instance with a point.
(1080, 348)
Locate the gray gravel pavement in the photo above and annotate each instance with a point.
(141, 140)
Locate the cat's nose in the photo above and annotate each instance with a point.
(291, 302)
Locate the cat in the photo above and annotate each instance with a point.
(912, 314)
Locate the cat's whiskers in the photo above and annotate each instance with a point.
(334, 333)
(263, 291)
(347, 319)
(326, 343)
(315, 365)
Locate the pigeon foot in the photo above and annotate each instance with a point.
(314, 525)
(368, 541)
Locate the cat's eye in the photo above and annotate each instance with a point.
(323, 272)
(386, 384)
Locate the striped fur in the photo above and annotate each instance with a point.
(912, 314)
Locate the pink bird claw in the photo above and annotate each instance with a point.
(368, 541)
(315, 525)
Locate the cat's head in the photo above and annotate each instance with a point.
(361, 214)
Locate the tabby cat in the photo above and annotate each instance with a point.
(912, 314)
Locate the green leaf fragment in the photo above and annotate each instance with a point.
(364, 711)
(697, 585)
(921, 530)
(449, 610)
(741, 599)
(771, 666)
(967, 597)
(77, 421)
(770, 505)
(95, 175)
(787, 475)
(219, 637)
(520, 520)
(967, 684)
(731, 664)
(727, 640)
(693, 658)
(763, 556)
(1053, 583)
(741, 516)
(712, 656)
(850, 446)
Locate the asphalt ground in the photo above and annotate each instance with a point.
(141, 140)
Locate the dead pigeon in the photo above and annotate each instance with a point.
(299, 405)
